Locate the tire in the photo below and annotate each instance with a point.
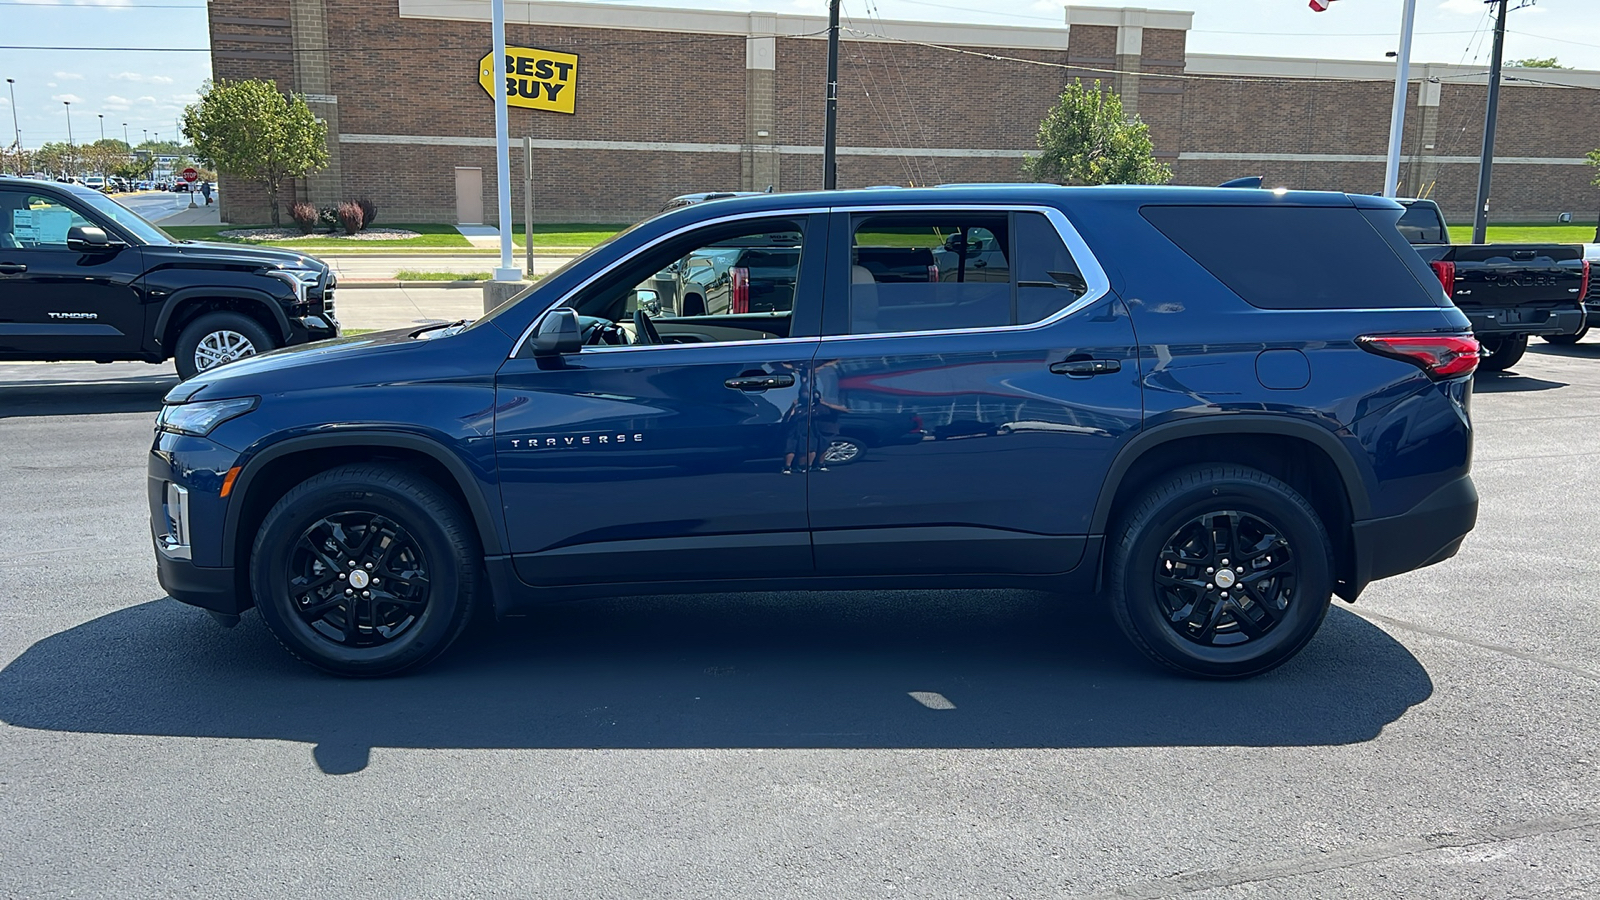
(1565, 340)
(1179, 625)
(1502, 353)
(217, 338)
(693, 305)
(421, 540)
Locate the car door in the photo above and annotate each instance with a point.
(965, 425)
(665, 449)
(60, 303)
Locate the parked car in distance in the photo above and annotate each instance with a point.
(82, 277)
(1508, 291)
(1219, 434)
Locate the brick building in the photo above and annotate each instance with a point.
(676, 101)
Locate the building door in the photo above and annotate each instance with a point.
(469, 196)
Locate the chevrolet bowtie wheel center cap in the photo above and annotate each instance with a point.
(1225, 579)
(359, 579)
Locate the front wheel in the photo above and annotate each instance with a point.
(217, 338)
(365, 570)
(1566, 340)
(1220, 571)
(1500, 354)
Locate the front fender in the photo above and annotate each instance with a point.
(183, 296)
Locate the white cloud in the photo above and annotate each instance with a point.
(117, 104)
(50, 84)
(70, 76)
(66, 98)
(1472, 8)
(141, 78)
(147, 100)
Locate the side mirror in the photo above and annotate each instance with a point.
(89, 239)
(558, 334)
(647, 300)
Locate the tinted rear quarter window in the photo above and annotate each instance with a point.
(1297, 257)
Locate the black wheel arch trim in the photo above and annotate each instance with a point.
(1242, 423)
(478, 507)
(202, 294)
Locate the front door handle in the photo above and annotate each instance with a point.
(759, 382)
(12, 268)
(1086, 368)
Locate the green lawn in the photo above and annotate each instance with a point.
(1527, 234)
(415, 275)
(566, 236)
(429, 237)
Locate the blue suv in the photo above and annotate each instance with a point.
(1215, 407)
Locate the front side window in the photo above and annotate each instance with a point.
(33, 222)
(941, 271)
(733, 282)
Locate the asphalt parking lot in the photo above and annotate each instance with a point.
(1437, 740)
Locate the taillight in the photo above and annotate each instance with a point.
(1583, 292)
(1447, 276)
(739, 285)
(1440, 355)
(933, 272)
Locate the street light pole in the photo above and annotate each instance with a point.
(1480, 219)
(72, 151)
(502, 146)
(830, 133)
(102, 126)
(16, 137)
(1397, 117)
(125, 135)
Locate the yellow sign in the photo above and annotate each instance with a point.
(535, 79)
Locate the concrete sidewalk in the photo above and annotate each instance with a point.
(200, 215)
(383, 309)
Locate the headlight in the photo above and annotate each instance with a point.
(299, 280)
(200, 418)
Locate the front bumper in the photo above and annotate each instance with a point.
(184, 477)
(213, 589)
(1430, 532)
(1490, 322)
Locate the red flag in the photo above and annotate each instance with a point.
(1321, 5)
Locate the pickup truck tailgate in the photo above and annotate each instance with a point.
(1502, 276)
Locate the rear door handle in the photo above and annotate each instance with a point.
(1086, 368)
(12, 268)
(759, 382)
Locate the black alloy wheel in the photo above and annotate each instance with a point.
(1220, 571)
(366, 570)
(1225, 578)
(358, 579)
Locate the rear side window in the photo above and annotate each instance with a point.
(1422, 224)
(1288, 257)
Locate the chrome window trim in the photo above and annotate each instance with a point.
(1099, 285)
(694, 226)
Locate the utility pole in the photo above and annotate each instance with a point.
(1397, 117)
(527, 202)
(1480, 221)
(830, 134)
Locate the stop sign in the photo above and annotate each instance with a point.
(190, 175)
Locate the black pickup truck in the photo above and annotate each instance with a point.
(1508, 291)
(84, 278)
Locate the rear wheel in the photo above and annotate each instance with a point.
(1220, 571)
(1502, 353)
(365, 570)
(217, 338)
(1566, 340)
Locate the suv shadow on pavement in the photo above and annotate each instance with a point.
(912, 670)
(138, 393)
(1511, 383)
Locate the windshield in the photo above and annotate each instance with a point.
(127, 218)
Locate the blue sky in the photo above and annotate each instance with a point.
(148, 90)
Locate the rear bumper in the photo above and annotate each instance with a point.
(1430, 532)
(1489, 322)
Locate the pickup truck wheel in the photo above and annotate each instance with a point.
(1500, 354)
(1566, 340)
(1220, 571)
(217, 338)
(365, 570)
(693, 305)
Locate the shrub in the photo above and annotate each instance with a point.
(350, 217)
(305, 217)
(369, 212)
(328, 217)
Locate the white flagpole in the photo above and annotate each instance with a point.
(1397, 118)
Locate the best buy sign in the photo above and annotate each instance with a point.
(535, 79)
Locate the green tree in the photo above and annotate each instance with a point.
(1087, 139)
(56, 158)
(249, 130)
(1535, 62)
